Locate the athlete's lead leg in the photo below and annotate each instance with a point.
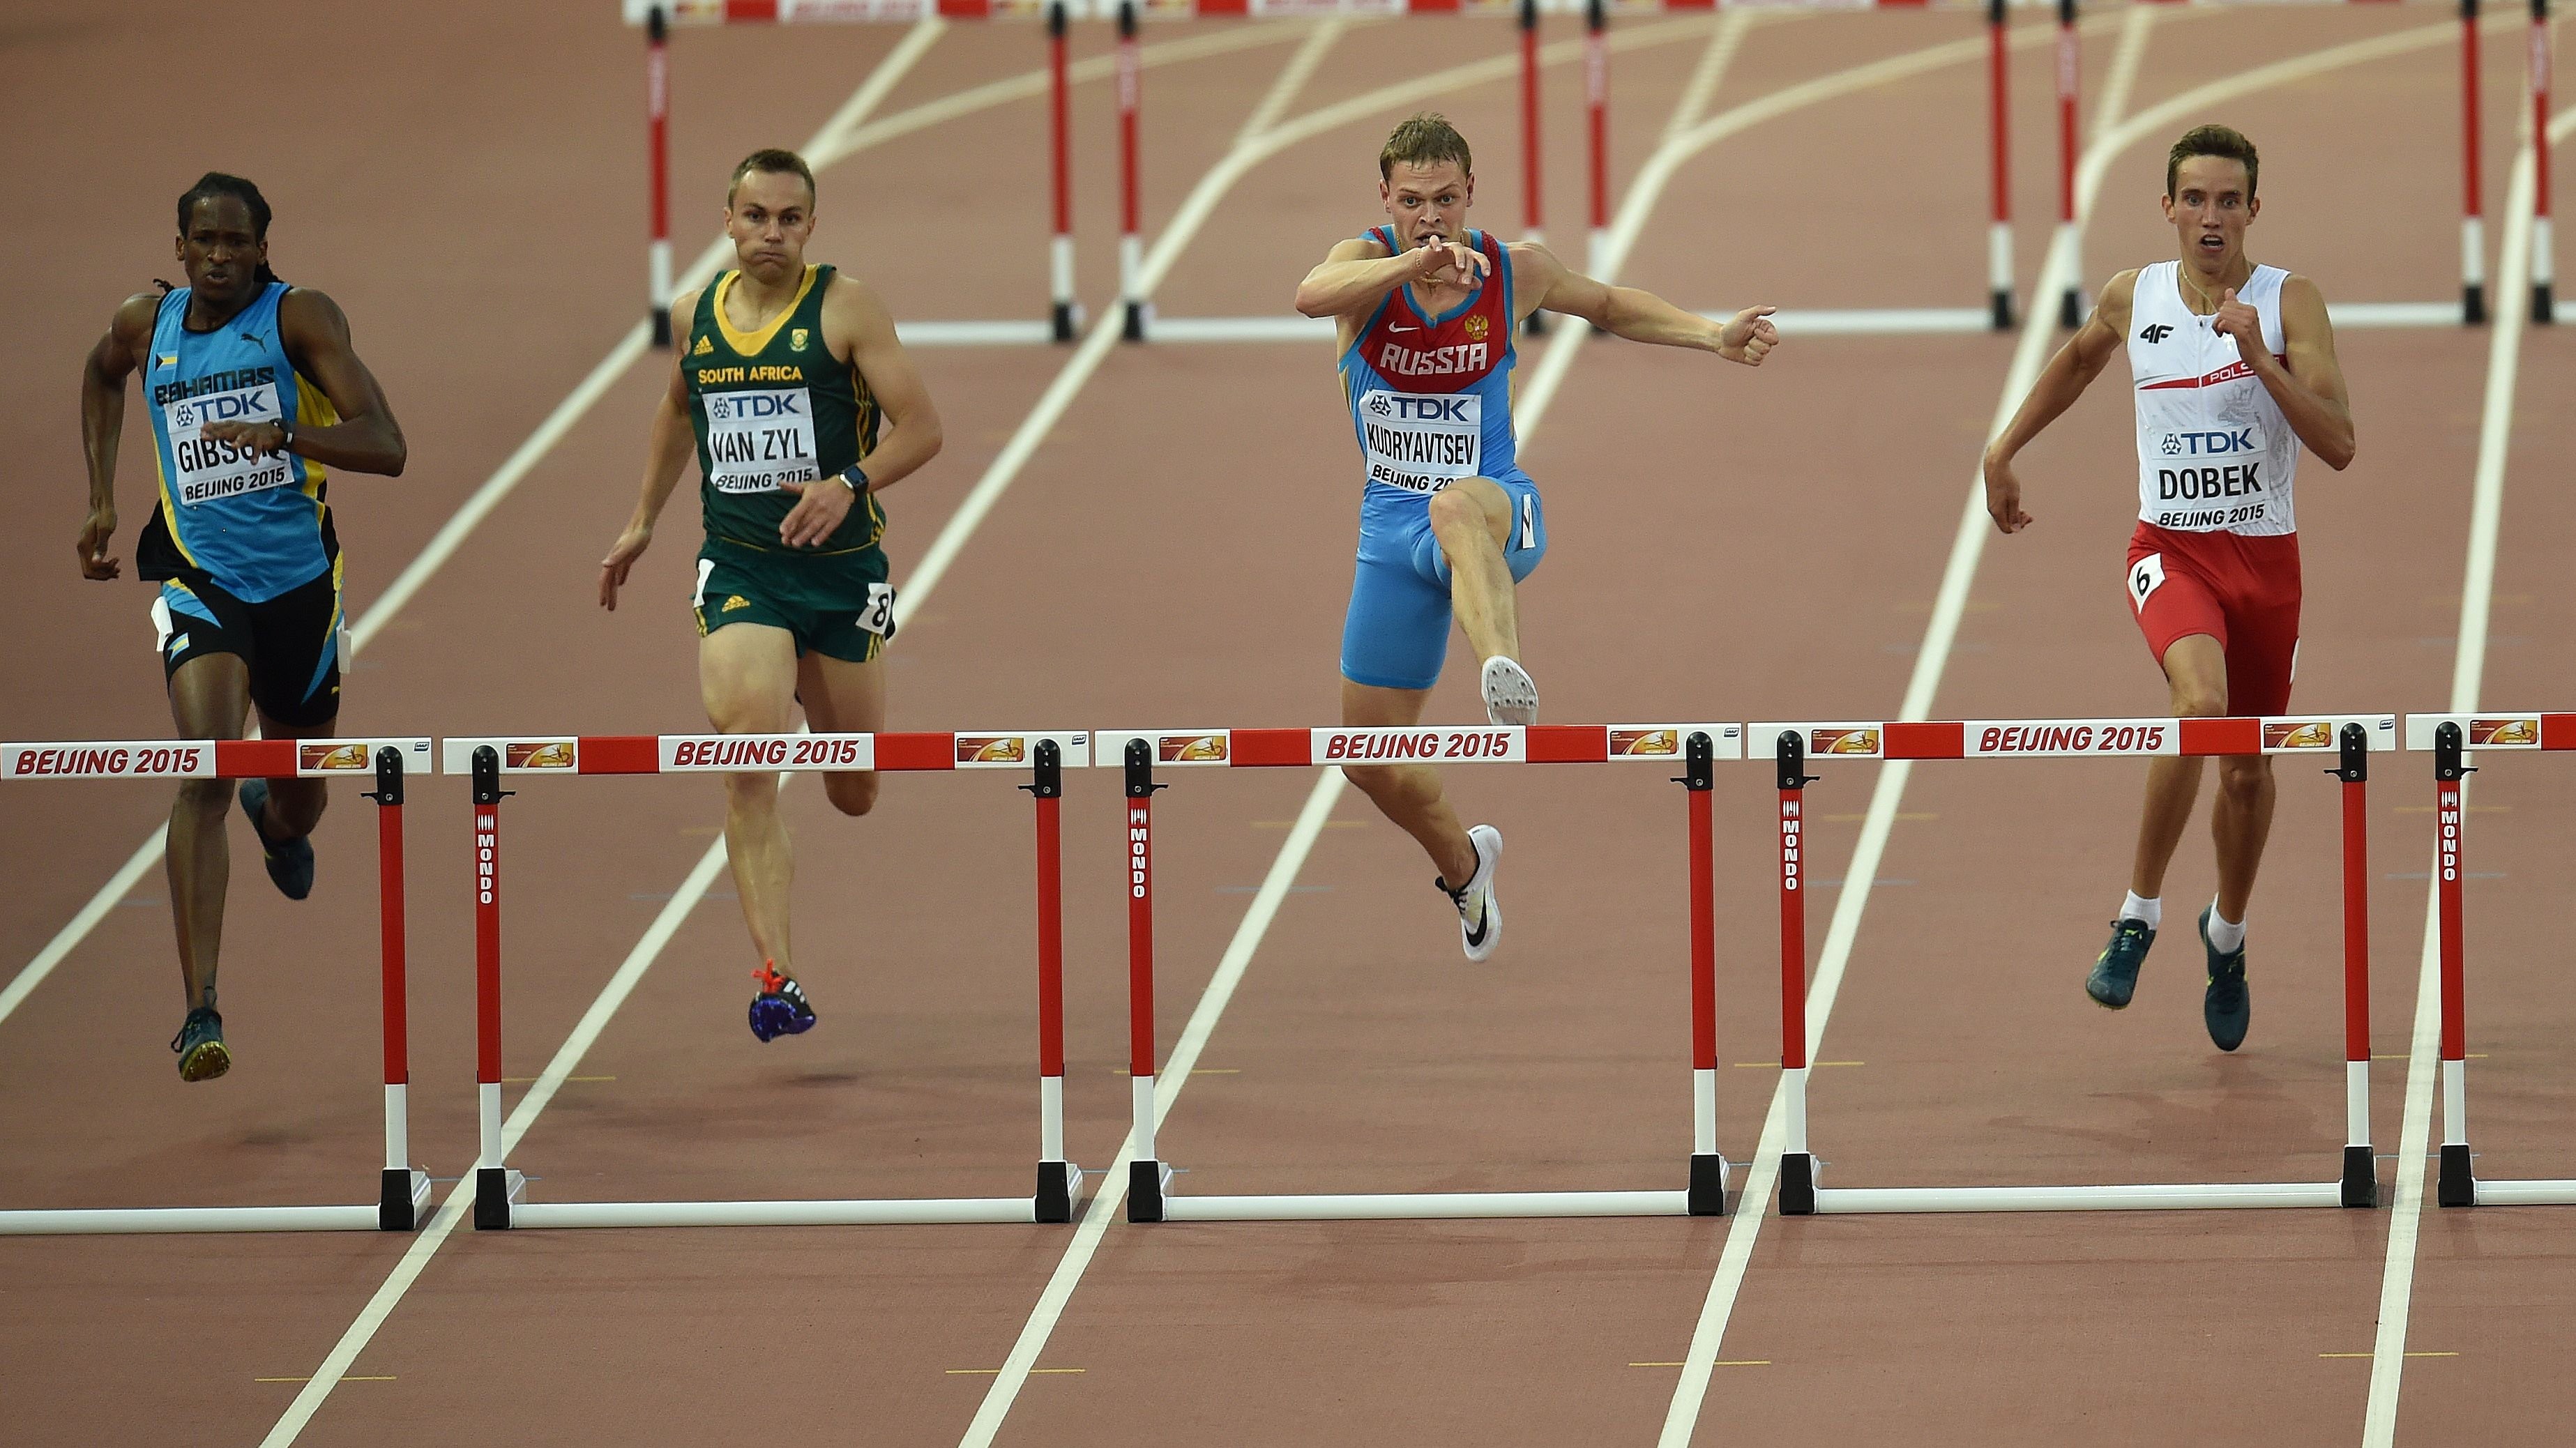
(747, 677)
(1408, 794)
(2197, 670)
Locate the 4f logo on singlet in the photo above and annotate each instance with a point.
(2154, 332)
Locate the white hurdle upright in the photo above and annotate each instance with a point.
(1696, 747)
(2451, 738)
(500, 1191)
(2348, 739)
(402, 1191)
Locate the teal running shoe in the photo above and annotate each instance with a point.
(2115, 970)
(2227, 1008)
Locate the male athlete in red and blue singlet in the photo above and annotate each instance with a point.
(1426, 310)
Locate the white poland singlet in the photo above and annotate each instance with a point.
(2215, 455)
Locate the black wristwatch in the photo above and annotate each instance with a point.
(857, 478)
(286, 433)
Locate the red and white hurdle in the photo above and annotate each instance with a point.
(2348, 739)
(2452, 738)
(402, 1191)
(1695, 747)
(500, 1191)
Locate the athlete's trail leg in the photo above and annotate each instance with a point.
(209, 698)
(295, 805)
(1408, 794)
(2240, 823)
(747, 676)
(1472, 517)
(2196, 669)
(844, 698)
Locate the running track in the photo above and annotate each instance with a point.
(1747, 545)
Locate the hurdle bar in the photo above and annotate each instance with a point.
(2348, 739)
(1696, 747)
(402, 1190)
(2451, 738)
(500, 1195)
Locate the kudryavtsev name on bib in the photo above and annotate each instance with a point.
(757, 440)
(1421, 442)
(209, 468)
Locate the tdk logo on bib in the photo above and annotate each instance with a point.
(754, 406)
(2210, 444)
(257, 405)
(1420, 442)
(1411, 407)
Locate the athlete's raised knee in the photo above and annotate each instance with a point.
(1468, 507)
(851, 794)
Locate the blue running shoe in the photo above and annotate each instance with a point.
(2227, 1008)
(2115, 970)
(200, 1046)
(780, 1008)
(290, 862)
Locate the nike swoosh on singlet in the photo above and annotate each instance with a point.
(1393, 328)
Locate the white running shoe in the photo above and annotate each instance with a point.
(1511, 696)
(1480, 913)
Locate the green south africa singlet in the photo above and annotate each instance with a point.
(772, 407)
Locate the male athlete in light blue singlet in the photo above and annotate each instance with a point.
(1449, 523)
(253, 390)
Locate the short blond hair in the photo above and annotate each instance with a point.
(1424, 139)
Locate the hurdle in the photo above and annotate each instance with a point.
(500, 1191)
(1696, 747)
(402, 1190)
(2452, 738)
(2347, 739)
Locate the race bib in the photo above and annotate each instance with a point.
(2145, 577)
(758, 440)
(205, 469)
(878, 617)
(1422, 442)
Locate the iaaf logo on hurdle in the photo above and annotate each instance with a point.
(1140, 836)
(2209, 444)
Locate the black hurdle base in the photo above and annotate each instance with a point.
(1057, 1182)
(2003, 305)
(495, 1187)
(1797, 1184)
(2459, 1186)
(399, 1199)
(1707, 1184)
(2360, 1177)
(2473, 304)
(1146, 1181)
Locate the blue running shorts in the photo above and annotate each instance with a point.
(1396, 634)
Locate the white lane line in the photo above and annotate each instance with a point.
(1949, 607)
(2468, 670)
(451, 535)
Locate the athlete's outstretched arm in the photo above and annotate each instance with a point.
(2061, 382)
(103, 376)
(853, 315)
(666, 452)
(1358, 273)
(366, 439)
(1636, 314)
(2310, 389)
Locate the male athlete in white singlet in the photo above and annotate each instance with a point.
(1426, 310)
(2235, 369)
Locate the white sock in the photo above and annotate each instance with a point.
(2149, 912)
(2225, 936)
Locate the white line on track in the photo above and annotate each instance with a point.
(2468, 670)
(2038, 338)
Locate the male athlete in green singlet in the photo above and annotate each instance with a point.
(783, 372)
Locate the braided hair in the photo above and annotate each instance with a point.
(218, 183)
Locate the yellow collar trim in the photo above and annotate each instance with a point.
(751, 344)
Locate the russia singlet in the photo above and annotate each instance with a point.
(774, 407)
(2215, 453)
(1430, 397)
(255, 525)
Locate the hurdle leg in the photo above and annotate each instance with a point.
(1058, 1179)
(1797, 1164)
(495, 1185)
(2071, 305)
(2544, 305)
(657, 123)
(2473, 224)
(1532, 212)
(1131, 252)
(1067, 316)
(1999, 238)
(1708, 1167)
(2360, 1163)
(402, 1195)
(1147, 1176)
(2459, 1184)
